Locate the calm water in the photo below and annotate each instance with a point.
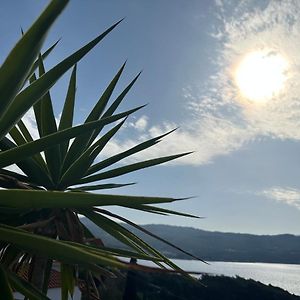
(282, 275)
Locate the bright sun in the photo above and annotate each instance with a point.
(261, 75)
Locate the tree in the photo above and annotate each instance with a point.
(39, 209)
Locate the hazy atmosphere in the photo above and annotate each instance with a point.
(226, 73)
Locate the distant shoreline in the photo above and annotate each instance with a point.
(237, 261)
(214, 246)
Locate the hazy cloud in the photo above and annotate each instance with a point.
(287, 195)
(247, 28)
(219, 122)
(214, 137)
(140, 124)
(29, 121)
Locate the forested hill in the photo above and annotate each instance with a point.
(217, 246)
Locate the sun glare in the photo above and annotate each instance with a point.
(261, 75)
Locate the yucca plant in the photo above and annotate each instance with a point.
(40, 206)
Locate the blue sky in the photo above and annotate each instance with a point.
(245, 169)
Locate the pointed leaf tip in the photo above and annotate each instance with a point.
(185, 198)
(116, 24)
(187, 153)
(17, 65)
(167, 133)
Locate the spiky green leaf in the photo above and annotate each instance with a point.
(25, 288)
(30, 95)
(67, 115)
(53, 199)
(44, 56)
(100, 187)
(117, 157)
(130, 168)
(144, 230)
(80, 166)
(17, 65)
(79, 144)
(20, 153)
(48, 126)
(53, 248)
(67, 280)
(6, 290)
(34, 171)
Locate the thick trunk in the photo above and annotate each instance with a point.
(130, 287)
(41, 265)
(38, 271)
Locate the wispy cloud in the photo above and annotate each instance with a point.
(287, 195)
(29, 121)
(247, 28)
(140, 124)
(218, 121)
(208, 138)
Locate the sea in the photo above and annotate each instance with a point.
(285, 276)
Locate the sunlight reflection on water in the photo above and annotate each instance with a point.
(285, 276)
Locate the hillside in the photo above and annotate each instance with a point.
(217, 246)
(174, 287)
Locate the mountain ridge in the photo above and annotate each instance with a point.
(218, 231)
(214, 245)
